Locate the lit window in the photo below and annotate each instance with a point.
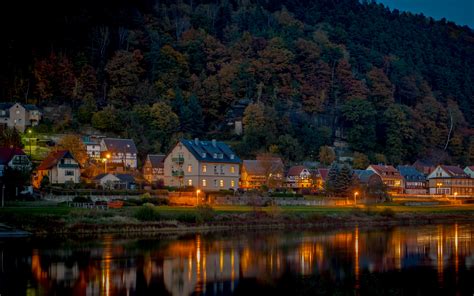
(204, 183)
(232, 169)
(190, 168)
(221, 183)
(190, 182)
(232, 183)
(204, 168)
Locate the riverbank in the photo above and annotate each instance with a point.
(55, 219)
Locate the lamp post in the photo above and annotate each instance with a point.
(455, 195)
(355, 197)
(197, 196)
(29, 139)
(107, 157)
(439, 185)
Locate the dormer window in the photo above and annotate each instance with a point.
(221, 156)
(203, 155)
(215, 155)
(232, 156)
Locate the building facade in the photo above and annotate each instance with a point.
(119, 152)
(390, 177)
(153, 169)
(414, 180)
(93, 147)
(60, 167)
(263, 171)
(450, 180)
(299, 177)
(204, 165)
(469, 170)
(18, 116)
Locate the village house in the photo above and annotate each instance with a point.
(59, 167)
(93, 147)
(119, 153)
(450, 180)
(153, 169)
(414, 180)
(13, 158)
(370, 184)
(299, 177)
(115, 181)
(204, 165)
(264, 170)
(322, 176)
(469, 170)
(390, 177)
(18, 116)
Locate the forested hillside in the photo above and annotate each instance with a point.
(389, 83)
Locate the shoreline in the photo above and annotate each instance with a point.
(315, 222)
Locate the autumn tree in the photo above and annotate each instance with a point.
(10, 137)
(361, 161)
(380, 87)
(326, 155)
(74, 144)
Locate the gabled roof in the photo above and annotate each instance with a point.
(5, 106)
(296, 170)
(471, 167)
(424, 162)
(410, 173)
(206, 150)
(364, 175)
(385, 170)
(120, 145)
(323, 173)
(100, 176)
(261, 166)
(6, 154)
(454, 171)
(31, 107)
(53, 158)
(127, 178)
(156, 160)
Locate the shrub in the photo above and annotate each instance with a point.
(147, 213)
(387, 212)
(204, 213)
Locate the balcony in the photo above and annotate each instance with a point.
(177, 173)
(178, 160)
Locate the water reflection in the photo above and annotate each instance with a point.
(227, 264)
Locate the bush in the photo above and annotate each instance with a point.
(204, 213)
(387, 212)
(147, 213)
(285, 194)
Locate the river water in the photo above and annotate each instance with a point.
(422, 260)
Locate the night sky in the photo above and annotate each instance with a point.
(459, 11)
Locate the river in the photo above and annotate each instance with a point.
(422, 260)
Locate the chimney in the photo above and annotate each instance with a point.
(196, 141)
(214, 143)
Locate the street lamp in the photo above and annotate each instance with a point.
(439, 185)
(455, 194)
(197, 196)
(107, 157)
(29, 139)
(355, 197)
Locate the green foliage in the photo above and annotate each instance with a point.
(204, 213)
(360, 119)
(147, 213)
(106, 120)
(82, 199)
(340, 180)
(10, 137)
(326, 155)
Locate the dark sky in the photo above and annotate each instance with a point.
(459, 11)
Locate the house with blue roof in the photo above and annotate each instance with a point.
(204, 165)
(414, 180)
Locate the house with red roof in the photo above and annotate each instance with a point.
(13, 158)
(391, 177)
(469, 170)
(265, 170)
(299, 177)
(153, 169)
(450, 180)
(59, 167)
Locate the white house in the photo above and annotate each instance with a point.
(60, 167)
(204, 165)
(92, 144)
(298, 177)
(13, 158)
(18, 116)
(450, 180)
(119, 152)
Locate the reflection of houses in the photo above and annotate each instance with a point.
(123, 152)
(153, 168)
(262, 171)
(390, 177)
(16, 115)
(415, 182)
(451, 180)
(207, 165)
(299, 177)
(115, 181)
(60, 167)
(13, 158)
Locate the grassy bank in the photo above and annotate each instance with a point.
(50, 219)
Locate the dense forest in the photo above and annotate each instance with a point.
(395, 86)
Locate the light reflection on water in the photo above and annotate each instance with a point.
(219, 264)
